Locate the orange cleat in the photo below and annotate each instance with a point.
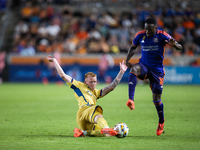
(130, 104)
(160, 128)
(78, 133)
(109, 131)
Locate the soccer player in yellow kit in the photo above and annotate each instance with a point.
(89, 116)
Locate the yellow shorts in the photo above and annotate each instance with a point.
(85, 117)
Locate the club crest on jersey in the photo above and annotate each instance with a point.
(155, 40)
(143, 39)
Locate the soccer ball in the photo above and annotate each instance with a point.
(122, 130)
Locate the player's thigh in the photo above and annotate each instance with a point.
(87, 114)
(140, 70)
(90, 113)
(136, 69)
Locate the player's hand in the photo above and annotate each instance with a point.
(129, 65)
(123, 67)
(50, 58)
(171, 42)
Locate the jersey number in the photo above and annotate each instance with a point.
(161, 80)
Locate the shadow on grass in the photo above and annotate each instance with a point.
(150, 137)
(61, 136)
(71, 136)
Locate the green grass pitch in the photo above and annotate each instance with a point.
(39, 117)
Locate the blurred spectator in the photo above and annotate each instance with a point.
(93, 46)
(50, 11)
(33, 30)
(82, 34)
(194, 63)
(35, 15)
(188, 50)
(28, 49)
(197, 19)
(53, 30)
(81, 47)
(42, 30)
(188, 23)
(57, 46)
(19, 45)
(113, 43)
(27, 12)
(70, 44)
(94, 33)
(21, 29)
(104, 45)
(106, 61)
(43, 16)
(44, 45)
(195, 48)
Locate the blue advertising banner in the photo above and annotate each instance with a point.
(35, 73)
(182, 75)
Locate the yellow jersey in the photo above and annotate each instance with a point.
(83, 94)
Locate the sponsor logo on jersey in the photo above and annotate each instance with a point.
(150, 48)
(89, 93)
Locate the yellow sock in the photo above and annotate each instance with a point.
(102, 122)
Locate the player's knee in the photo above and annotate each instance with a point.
(157, 103)
(136, 69)
(156, 97)
(97, 117)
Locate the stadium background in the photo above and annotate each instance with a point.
(81, 34)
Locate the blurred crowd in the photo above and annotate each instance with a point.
(49, 28)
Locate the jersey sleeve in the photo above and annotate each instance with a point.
(98, 93)
(74, 83)
(166, 36)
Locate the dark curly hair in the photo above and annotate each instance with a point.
(151, 21)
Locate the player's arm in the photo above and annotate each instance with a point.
(115, 82)
(130, 53)
(175, 44)
(60, 71)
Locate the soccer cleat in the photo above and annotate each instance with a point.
(109, 131)
(160, 128)
(130, 104)
(78, 133)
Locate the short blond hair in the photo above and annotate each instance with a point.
(90, 74)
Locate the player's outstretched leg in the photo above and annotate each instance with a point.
(101, 122)
(78, 133)
(159, 107)
(132, 81)
(109, 131)
(160, 128)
